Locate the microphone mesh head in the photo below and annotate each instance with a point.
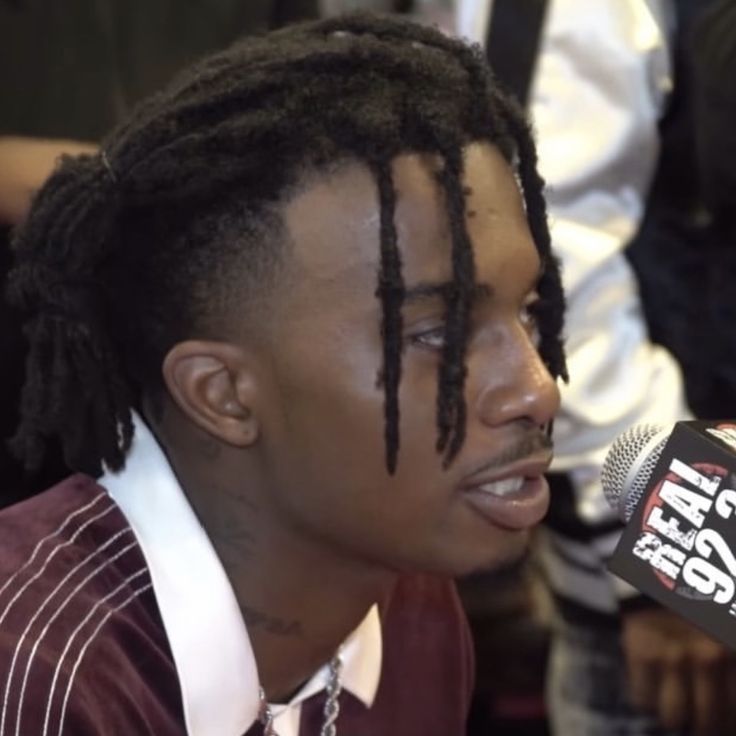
(629, 465)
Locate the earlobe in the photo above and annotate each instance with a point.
(211, 383)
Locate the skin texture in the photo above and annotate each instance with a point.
(277, 434)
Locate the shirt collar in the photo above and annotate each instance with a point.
(208, 639)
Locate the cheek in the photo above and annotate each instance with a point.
(329, 439)
(326, 387)
(330, 411)
(418, 413)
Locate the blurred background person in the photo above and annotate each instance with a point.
(685, 253)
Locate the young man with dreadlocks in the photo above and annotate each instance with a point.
(301, 321)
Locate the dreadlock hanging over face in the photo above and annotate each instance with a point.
(127, 253)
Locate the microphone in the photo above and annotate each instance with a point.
(675, 487)
(629, 465)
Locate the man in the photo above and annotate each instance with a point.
(300, 319)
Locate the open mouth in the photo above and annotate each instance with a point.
(502, 488)
(517, 502)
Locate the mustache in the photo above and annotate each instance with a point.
(529, 444)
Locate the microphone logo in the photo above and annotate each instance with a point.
(678, 545)
(674, 537)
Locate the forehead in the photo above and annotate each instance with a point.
(334, 224)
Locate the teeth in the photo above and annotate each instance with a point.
(505, 487)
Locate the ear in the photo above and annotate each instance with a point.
(213, 384)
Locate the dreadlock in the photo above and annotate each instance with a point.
(126, 253)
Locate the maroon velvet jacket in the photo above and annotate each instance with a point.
(83, 650)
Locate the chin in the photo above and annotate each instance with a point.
(502, 564)
(503, 554)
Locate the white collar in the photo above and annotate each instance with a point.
(209, 642)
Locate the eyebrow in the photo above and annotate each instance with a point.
(427, 291)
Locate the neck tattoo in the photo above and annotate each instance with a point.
(330, 711)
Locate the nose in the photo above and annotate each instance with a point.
(516, 385)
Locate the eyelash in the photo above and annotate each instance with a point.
(529, 316)
(432, 339)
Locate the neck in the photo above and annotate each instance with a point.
(298, 614)
(300, 598)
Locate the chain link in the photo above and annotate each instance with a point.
(330, 711)
(332, 704)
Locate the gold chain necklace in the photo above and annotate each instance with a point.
(330, 711)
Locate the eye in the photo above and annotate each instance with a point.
(431, 339)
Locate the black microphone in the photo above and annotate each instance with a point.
(675, 487)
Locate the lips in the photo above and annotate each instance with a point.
(516, 497)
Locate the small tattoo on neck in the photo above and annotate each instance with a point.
(272, 624)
